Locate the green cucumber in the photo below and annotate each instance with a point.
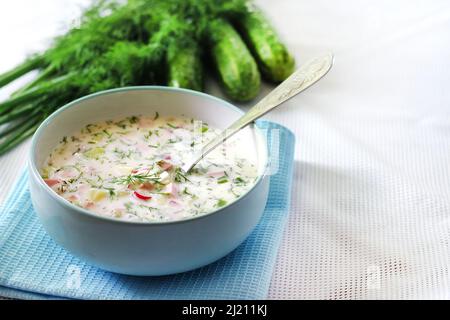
(274, 60)
(184, 65)
(235, 66)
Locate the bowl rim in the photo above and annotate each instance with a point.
(65, 203)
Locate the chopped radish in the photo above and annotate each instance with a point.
(216, 174)
(147, 186)
(69, 172)
(145, 123)
(171, 189)
(51, 182)
(73, 197)
(174, 203)
(141, 196)
(165, 165)
(89, 204)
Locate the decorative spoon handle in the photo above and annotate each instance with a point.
(311, 72)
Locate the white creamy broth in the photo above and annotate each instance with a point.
(129, 169)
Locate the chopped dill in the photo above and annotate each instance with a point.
(221, 203)
(148, 135)
(109, 135)
(121, 124)
(180, 175)
(134, 179)
(221, 181)
(239, 181)
(133, 119)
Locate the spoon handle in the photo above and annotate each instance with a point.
(311, 72)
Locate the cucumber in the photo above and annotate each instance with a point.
(235, 66)
(184, 65)
(274, 60)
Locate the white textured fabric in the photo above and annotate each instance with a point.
(371, 205)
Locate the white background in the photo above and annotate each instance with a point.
(370, 215)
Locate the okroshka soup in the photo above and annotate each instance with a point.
(129, 168)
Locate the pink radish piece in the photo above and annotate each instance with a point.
(51, 182)
(216, 174)
(165, 165)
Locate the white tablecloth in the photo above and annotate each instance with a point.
(370, 211)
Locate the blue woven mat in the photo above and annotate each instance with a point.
(33, 266)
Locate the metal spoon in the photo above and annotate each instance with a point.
(311, 72)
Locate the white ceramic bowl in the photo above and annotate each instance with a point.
(142, 248)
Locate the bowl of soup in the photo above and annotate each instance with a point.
(107, 185)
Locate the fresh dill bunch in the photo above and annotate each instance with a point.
(100, 27)
(203, 11)
(115, 43)
(125, 63)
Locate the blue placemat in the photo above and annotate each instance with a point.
(33, 266)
